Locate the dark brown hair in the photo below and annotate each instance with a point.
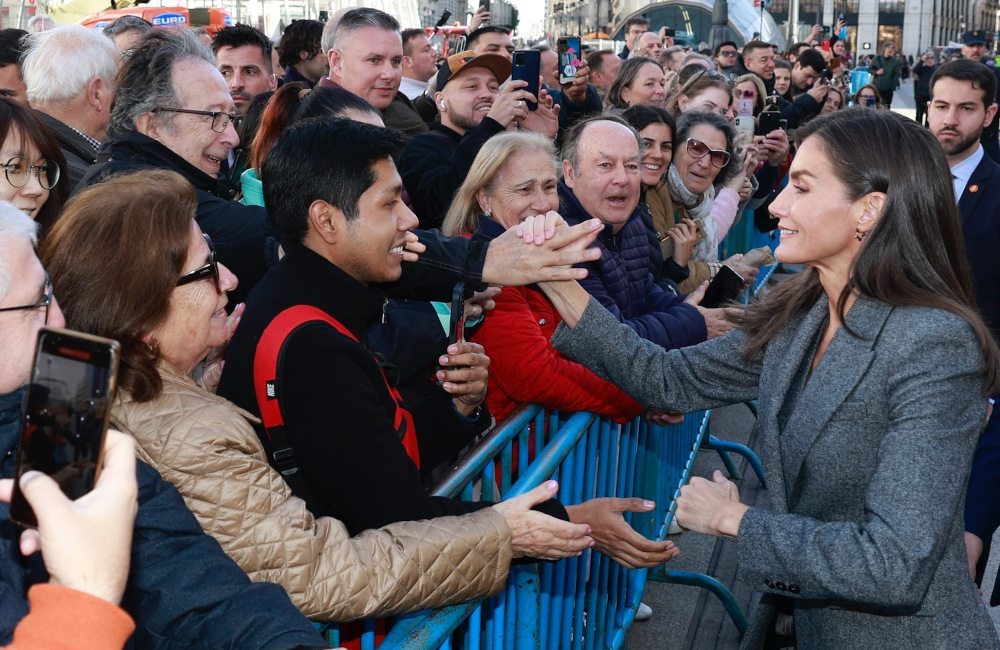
(114, 257)
(21, 120)
(913, 256)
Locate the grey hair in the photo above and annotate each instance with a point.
(354, 20)
(145, 81)
(686, 122)
(60, 62)
(14, 224)
(571, 142)
(126, 23)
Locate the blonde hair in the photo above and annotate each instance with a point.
(484, 174)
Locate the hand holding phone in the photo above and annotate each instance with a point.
(724, 288)
(570, 61)
(86, 544)
(68, 407)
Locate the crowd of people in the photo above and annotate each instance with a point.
(273, 233)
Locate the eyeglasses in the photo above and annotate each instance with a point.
(18, 172)
(746, 94)
(698, 149)
(44, 302)
(209, 270)
(728, 53)
(220, 119)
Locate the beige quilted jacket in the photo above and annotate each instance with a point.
(207, 448)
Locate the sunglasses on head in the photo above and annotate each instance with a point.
(698, 149)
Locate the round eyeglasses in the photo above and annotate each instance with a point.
(18, 172)
(44, 301)
(698, 149)
(220, 119)
(210, 270)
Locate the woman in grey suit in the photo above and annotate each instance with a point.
(871, 370)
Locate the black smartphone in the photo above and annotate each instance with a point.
(444, 19)
(485, 4)
(456, 329)
(841, 18)
(527, 66)
(568, 48)
(784, 124)
(725, 286)
(768, 121)
(66, 413)
(669, 31)
(827, 75)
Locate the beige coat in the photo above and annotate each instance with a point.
(208, 449)
(661, 208)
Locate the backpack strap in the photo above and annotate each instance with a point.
(268, 390)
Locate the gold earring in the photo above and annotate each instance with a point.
(859, 235)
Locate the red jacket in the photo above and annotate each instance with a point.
(524, 367)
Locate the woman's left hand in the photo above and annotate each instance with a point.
(466, 379)
(211, 372)
(710, 507)
(615, 538)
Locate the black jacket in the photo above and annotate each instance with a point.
(434, 166)
(338, 412)
(243, 235)
(80, 155)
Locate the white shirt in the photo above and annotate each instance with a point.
(963, 171)
(413, 88)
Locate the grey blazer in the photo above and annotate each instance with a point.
(867, 463)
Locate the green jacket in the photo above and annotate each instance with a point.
(891, 71)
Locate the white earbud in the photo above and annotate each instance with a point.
(442, 104)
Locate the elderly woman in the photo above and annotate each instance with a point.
(639, 80)
(164, 300)
(514, 176)
(703, 181)
(872, 369)
(32, 163)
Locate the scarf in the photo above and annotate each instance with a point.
(698, 208)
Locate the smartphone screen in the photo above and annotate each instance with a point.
(527, 64)
(66, 413)
(569, 58)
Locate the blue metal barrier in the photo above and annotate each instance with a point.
(582, 603)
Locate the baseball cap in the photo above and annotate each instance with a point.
(456, 63)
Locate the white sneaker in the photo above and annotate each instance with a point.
(644, 613)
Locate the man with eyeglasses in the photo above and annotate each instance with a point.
(182, 590)
(758, 58)
(173, 110)
(725, 57)
(634, 28)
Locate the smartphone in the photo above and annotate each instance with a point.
(669, 31)
(527, 66)
(569, 58)
(825, 46)
(768, 121)
(744, 107)
(784, 124)
(744, 129)
(725, 286)
(826, 29)
(826, 75)
(869, 102)
(444, 19)
(66, 413)
(456, 329)
(485, 4)
(834, 63)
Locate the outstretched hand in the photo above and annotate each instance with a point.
(535, 534)
(615, 538)
(510, 263)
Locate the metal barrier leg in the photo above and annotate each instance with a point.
(705, 582)
(723, 447)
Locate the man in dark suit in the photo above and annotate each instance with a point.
(974, 48)
(961, 106)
